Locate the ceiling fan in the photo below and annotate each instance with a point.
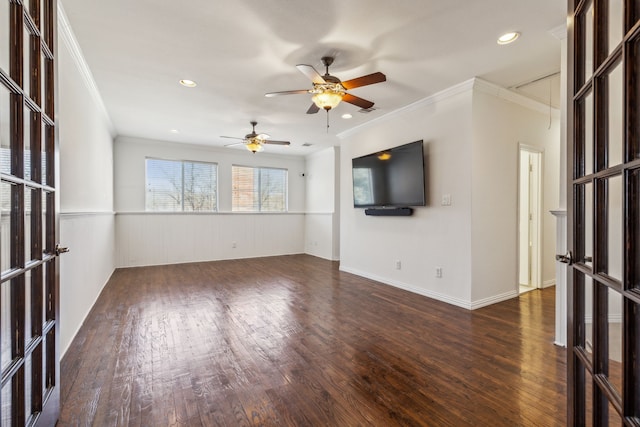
(328, 90)
(255, 141)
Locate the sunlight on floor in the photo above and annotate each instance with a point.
(526, 288)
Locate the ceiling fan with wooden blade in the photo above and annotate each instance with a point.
(329, 90)
(255, 141)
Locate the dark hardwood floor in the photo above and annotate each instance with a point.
(292, 341)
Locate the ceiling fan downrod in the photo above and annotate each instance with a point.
(327, 61)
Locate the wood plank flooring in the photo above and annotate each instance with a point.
(292, 341)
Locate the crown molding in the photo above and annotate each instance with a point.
(472, 84)
(463, 87)
(65, 33)
(511, 96)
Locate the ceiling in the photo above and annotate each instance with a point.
(239, 50)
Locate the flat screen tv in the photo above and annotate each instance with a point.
(390, 178)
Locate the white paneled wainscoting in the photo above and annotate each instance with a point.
(146, 238)
(86, 268)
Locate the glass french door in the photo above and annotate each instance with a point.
(604, 216)
(29, 391)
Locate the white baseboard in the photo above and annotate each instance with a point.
(469, 305)
(494, 299)
(397, 284)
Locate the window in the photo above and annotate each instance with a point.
(362, 186)
(259, 189)
(181, 186)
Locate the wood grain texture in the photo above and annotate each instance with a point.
(292, 341)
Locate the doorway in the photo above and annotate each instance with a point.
(529, 218)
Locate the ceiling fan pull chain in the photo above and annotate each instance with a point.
(327, 120)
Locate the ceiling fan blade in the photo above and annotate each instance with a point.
(232, 137)
(235, 143)
(364, 80)
(313, 109)
(277, 142)
(311, 72)
(362, 103)
(286, 92)
(263, 136)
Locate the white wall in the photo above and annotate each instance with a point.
(500, 123)
(436, 235)
(148, 238)
(86, 191)
(471, 135)
(322, 204)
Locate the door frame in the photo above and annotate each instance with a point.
(536, 264)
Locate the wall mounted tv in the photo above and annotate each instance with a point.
(390, 178)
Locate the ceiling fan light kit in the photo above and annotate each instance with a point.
(327, 96)
(254, 146)
(328, 91)
(255, 142)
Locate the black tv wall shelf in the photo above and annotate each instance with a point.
(389, 211)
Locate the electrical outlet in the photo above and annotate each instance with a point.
(233, 244)
(446, 200)
(439, 272)
(398, 265)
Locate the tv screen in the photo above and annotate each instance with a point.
(393, 177)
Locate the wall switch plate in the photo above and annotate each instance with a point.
(398, 265)
(446, 200)
(439, 272)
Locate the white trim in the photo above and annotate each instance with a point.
(469, 305)
(548, 283)
(322, 257)
(463, 87)
(511, 96)
(494, 299)
(76, 214)
(536, 265)
(474, 83)
(396, 284)
(559, 213)
(65, 33)
(187, 213)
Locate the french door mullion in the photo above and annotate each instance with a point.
(600, 352)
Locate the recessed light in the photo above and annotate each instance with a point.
(188, 83)
(347, 116)
(174, 131)
(508, 38)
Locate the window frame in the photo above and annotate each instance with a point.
(259, 209)
(182, 163)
